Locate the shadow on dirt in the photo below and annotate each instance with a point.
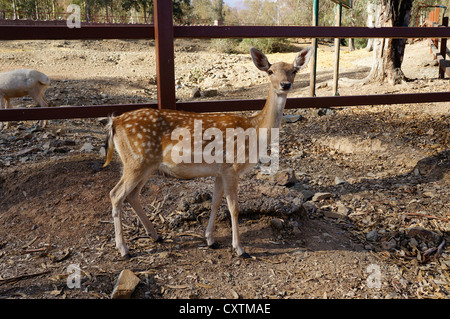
(427, 170)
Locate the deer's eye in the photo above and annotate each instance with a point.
(294, 72)
(270, 72)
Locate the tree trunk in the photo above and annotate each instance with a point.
(388, 53)
(144, 9)
(54, 9)
(351, 44)
(371, 11)
(37, 10)
(15, 10)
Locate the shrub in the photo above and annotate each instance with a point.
(266, 45)
(225, 45)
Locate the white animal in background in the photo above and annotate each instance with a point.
(20, 83)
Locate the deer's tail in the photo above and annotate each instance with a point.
(109, 143)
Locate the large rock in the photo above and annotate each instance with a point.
(423, 234)
(285, 177)
(125, 285)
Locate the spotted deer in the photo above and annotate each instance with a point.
(145, 142)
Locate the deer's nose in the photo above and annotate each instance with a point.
(286, 85)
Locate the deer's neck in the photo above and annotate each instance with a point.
(272, 113)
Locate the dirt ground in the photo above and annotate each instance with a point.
(380, 228)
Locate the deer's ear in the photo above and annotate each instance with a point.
(302, 58)
(260, 59)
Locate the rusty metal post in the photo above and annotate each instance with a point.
(443, 51)
(337, 49)
(436, 20)
(313, 60)
(165, 59)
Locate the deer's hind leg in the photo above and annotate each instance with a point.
(216, 200)
(133, 199)
(130, 183)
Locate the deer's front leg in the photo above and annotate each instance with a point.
(231, 194)
(216, 200)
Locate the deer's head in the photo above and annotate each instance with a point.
(281, 74)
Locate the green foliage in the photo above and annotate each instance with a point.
(267, 45)
(359, 43)
(250, 12)
(115, 10)
(229, 46)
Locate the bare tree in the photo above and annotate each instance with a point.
(16, 16)
(388, 53)
(217, 7)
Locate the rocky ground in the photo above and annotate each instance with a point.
(359, 208)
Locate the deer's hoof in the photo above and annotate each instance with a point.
(126, 256)
(214, 246)
(245, 256)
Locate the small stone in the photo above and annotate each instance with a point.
(320, 196)
(389, 245)
(424, 235)
(61, 150)
(309, 206)
(196, 92)
(307, 194)
(296, 231)
(209, 93)
(341, 212)
(292, 118)
(342, 209)
(277, 223)
(372, 235)
(87, 147)
(330, 213)
(125, 285)
(339, 181)
(430, 193)
(413, 242)
(26, 151)
(285, 177)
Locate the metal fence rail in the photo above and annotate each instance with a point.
(164, 33)
(91, 111)
(145, 31)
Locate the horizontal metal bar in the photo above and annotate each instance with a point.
(307, 32)
(316, 102)
(87, 32)
(60, 32)
(70, 112)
